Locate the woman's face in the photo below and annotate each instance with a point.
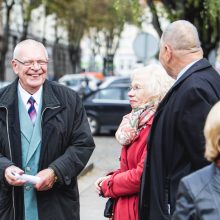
(139, 93)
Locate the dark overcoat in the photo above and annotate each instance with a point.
(66, 146)
(176, 141)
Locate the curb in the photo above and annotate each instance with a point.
(86, 170)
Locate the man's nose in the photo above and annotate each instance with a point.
(36, 65)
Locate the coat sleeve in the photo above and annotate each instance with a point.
(4, 163)
(185, 208)
(77, 154)
(197, 103)
(124, 183)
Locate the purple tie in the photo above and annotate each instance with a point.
(32, 111)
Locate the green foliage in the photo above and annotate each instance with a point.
(110, 16)
(27, 7)
(71, 14)
(211, 12)
(204, 14)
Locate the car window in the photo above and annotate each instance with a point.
(120, 81)
(110, 93)
(125, 93)
(73, 82)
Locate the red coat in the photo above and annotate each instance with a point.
(124, 184)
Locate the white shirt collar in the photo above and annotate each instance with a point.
(25, 96)
(185, 69)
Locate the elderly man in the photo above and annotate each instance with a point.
(176, 142)
(44, 133)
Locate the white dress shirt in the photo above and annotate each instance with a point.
(185, 69)
(25, 97)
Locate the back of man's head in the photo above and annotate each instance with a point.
(182, 35)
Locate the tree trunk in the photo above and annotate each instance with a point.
(75, 55)
(108, 65)
(24, 32)
(56, 66)
(5, 41)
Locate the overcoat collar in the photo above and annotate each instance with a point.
(201, 64)
(9, 100)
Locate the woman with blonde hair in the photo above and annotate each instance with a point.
(148, 86)
(199, 193)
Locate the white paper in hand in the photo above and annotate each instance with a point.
(28, 178)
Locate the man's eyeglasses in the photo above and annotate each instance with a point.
(30, 63)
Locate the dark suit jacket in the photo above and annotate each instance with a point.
(176, 142)
(199, 195)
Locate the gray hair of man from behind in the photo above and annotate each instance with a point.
(157, 81)
(27, 42)
(181, 35)
(212, 134)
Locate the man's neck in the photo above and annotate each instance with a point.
(183, 62)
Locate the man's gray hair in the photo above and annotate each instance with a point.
(181, 35)
(26, 43)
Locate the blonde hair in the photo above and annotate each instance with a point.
(157, 82)
(212, 133)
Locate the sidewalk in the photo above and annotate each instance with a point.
(104, 159)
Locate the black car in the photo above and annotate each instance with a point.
(106, 107)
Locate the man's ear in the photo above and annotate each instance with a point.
(168, 53)
(14, 66)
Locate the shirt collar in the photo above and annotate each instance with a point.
(185, 69)
(25, 95)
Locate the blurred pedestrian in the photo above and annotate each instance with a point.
(44, 133)
(176, 142)
(198, 195)
(148, 86)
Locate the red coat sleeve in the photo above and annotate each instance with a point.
(124, 183)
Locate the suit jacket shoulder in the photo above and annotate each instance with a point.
(201, 177)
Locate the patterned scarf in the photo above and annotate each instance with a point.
(134, 122)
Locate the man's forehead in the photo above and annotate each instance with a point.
(32, 51)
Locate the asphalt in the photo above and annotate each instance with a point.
(104, 159)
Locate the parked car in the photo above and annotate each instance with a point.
(98, 75)
(81, 83)
(106, 107)
(115, 80)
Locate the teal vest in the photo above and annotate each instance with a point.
(31, 145)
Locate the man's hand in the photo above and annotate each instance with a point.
(47, 177)
(10, 177)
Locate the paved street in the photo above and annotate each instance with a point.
(105, 159)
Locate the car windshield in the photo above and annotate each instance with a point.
(112, 93)
(73, 82)
(120, 81)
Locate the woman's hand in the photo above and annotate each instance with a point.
(98, 184)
